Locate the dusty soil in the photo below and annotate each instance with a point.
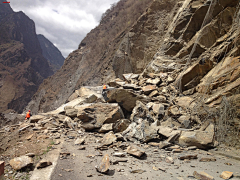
(80, 164)
(14, 144)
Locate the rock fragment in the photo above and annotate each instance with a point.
(21, 162)
(106, 127)
(135, 151)
(202, 176)
(139, 171)
(207, 159)
(79, 141)
(43, 164)
(104, 165)
(109, 138)
(226, 174)
(183, 157)
(169, 160)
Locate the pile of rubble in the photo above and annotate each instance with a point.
(136, 111)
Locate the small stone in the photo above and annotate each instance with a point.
(139, 171)
(79, 141)
(43, 164)
(169, 160)
(106, 127)
(226, 174)
(134, 151)
(118, 154)
(104, 165)
(207, 159)
(183, 157)
(109, 138)
(162, 169)
(21, 162)
(82, 148)
(30, 154)
(29, 137)
(155, 168)
(202, 176)
(68, 170)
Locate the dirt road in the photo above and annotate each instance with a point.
(156, 164)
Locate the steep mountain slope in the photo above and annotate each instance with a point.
(186, 39)
(22, 65)
(51, 53)
(96, 59)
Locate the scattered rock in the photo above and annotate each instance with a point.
(202, 176)
(119, 154)
(158, 109)
(135, 151)
(36, 118)
(148, 89)
(109, 138)
(29, 137)
(79, 141)
(82, 148)
(106, 127)
(21, 162)
(121, 125)
(125, 97)
(201, 139)
(169, 160)
(226, 174)
(189, 157)
(139, 171)
(30, 154)
(43, 164)
(104, 165)
(207, 159)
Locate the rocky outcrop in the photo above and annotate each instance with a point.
(51, 53)
(177, 66)
(119, 50)
(22, 64)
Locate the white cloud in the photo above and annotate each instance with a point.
(64, 23)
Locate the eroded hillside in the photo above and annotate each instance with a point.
(194, 42)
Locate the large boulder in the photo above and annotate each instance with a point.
(185, 102)
(80, 100)
(140, 111)
(141, 131)
(201, 139)
(36, 118)
(101, 113)
(125, 98)
(21, 162)
(121, 125)
(86, 91)
(71, 112)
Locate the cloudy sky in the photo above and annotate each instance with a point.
(64, 23)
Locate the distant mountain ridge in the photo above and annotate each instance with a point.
(22, 65)
(51, 53)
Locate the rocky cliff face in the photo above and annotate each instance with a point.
(22, 65)
(51, 53)
(194, 41)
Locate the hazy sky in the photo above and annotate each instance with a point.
(64, 23)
